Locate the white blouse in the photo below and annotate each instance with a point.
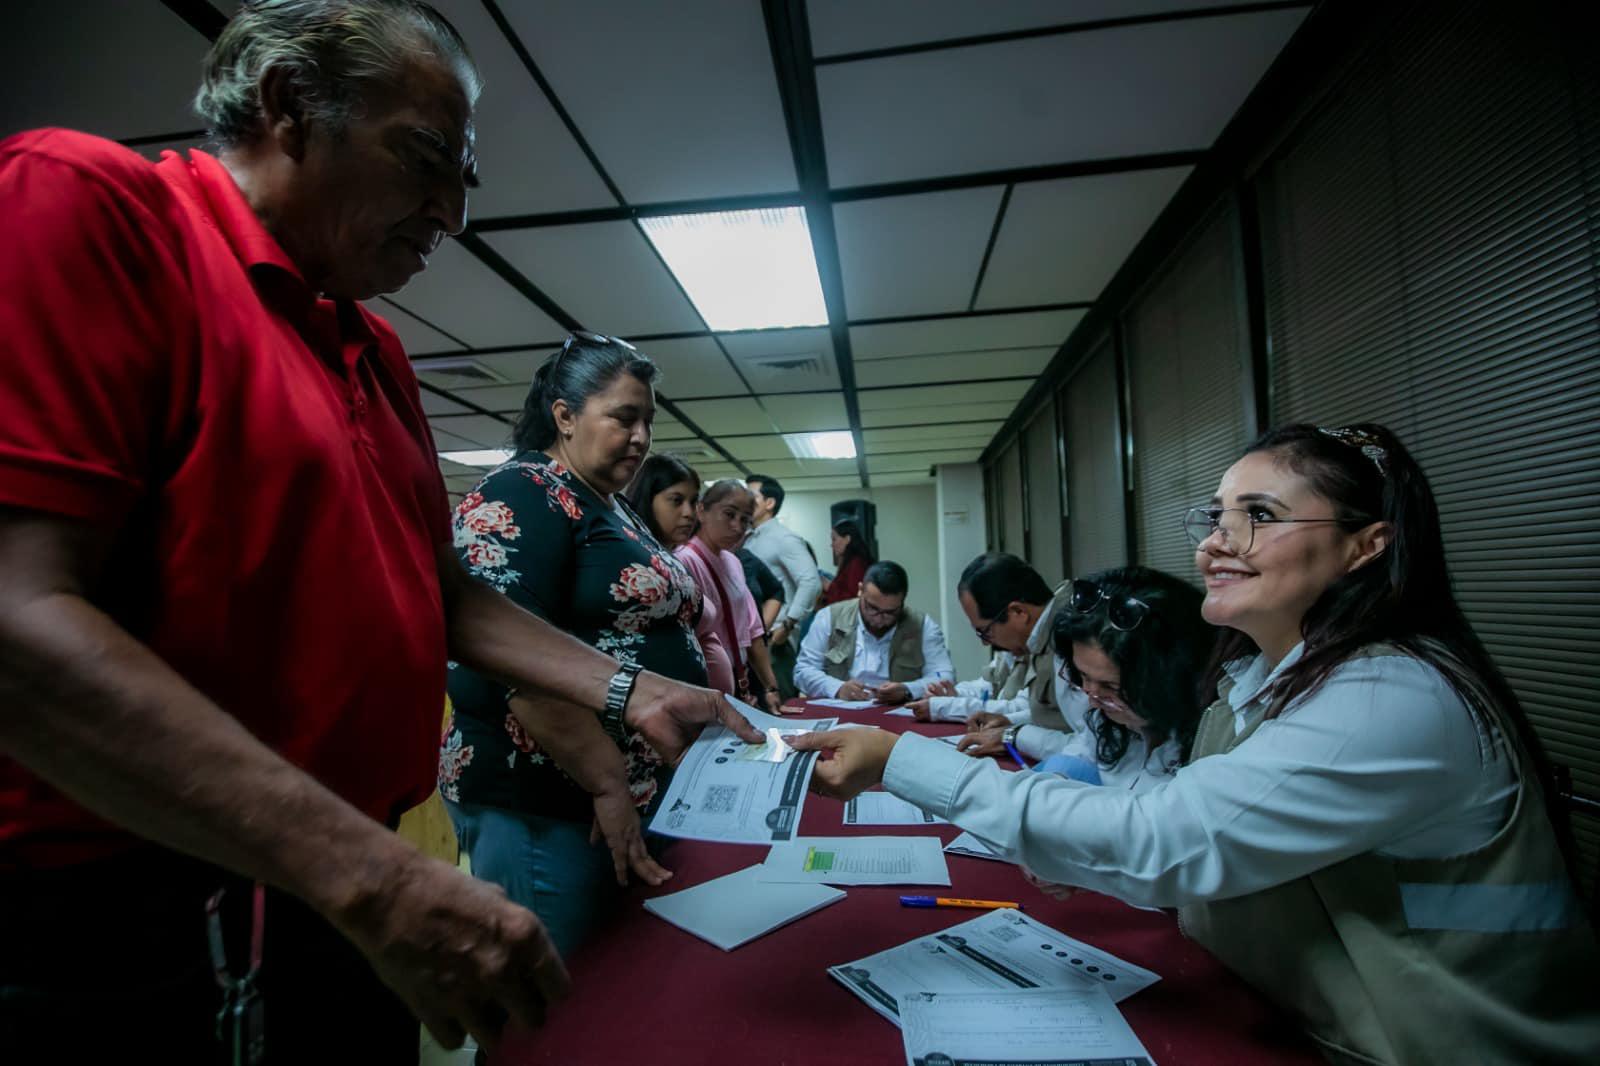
(1383, 757)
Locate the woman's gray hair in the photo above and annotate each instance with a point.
(337, 50)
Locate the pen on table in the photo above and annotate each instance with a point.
(949, 901)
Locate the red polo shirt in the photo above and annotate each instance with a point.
(259, 454)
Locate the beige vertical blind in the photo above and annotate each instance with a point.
(1188, 356)
(1094, 463)
(1430, 262)
(1008, 470)
(1044, 495)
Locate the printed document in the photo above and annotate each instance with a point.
(885, 808)
(1037, 1026)
(844, 705)
(735, 793)
(736, 909)
(998, 951)
(857, 861)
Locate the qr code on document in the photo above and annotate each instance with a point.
(719, 799)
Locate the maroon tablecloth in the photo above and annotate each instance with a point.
(645, 991)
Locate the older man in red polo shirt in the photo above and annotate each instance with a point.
(227, 592)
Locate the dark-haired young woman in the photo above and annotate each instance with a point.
(1132, 641)
(532, 790)
(851, 557)
(1364, 832)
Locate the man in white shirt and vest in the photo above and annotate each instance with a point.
(785, 553)
(873, 647)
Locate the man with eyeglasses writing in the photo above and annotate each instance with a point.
(1012, 608)
(874, 647)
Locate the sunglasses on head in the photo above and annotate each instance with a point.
(1123, 613)
(593, 340)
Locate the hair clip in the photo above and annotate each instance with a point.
(1362, 440)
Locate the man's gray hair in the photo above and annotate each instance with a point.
(337, 50)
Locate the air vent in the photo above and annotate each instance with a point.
(455, 372)
(793, 367)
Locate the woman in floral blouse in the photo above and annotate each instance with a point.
(549, 812)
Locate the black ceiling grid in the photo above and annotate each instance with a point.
(1060, 29)
(208, 21)
(478, 246)
(789, 35)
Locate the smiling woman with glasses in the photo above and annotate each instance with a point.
(1365, 830)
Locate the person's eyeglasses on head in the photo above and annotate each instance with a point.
(1123, 612)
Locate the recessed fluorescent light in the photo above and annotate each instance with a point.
(486, 457)
(743, 269)
(840, 444)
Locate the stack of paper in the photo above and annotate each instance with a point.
(844, 705)
(736, 909)
(998, 951)
(1038, 1026)
(857, 861)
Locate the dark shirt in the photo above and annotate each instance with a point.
(764, 584)
(541, 536)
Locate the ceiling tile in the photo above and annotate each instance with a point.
(692, 367)
(434, 404)
(910, 400)
(905, 255)
(103, 66)
(804, 413)
(677, 100)
(445, 441)
(480, 430)
(879, 441)
(889, 464)
(953, 366)
(604, 274)
(460, 295)
(728, 416)
(1034, 329)
(839, 26)
(1117, 92)
(415, 337)
(502, 399)
(1063, 240)
(527, 161)
(943, 413)
(784, 360)
(756, 449)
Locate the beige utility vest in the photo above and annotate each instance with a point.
(1042, 661)
(905, 650)
(1479, 958)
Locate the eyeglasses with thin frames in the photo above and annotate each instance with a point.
(1238, 525)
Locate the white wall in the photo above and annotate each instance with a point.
(907, 518)
(960, 522)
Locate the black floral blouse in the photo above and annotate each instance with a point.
(541, 536)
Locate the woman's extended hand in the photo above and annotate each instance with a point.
(851, 762)
(616, 820)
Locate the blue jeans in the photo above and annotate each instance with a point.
(545, 864)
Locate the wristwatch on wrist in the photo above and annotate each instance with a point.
(617, 692)
(1009, 736)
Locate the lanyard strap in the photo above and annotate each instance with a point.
(730, 634)
(219, 952)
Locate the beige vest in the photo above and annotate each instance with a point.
(1480, 958)
(1042, 660)
(905, 650)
